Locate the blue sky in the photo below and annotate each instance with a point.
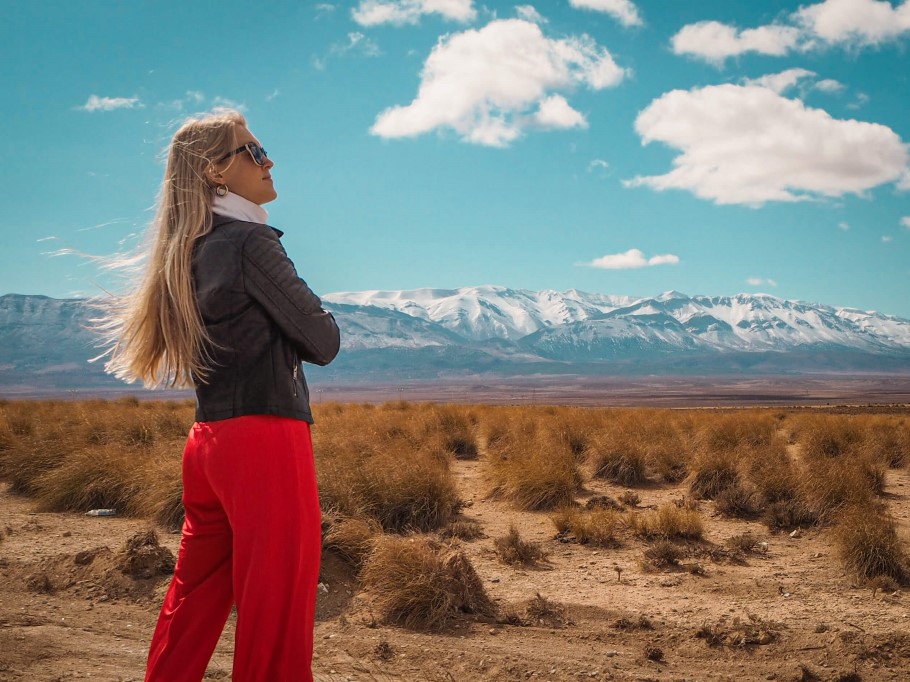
(620, 147)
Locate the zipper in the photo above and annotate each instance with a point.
(296, 368)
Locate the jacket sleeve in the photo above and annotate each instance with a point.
(272, 281)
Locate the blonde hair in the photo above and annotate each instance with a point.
(154, 334)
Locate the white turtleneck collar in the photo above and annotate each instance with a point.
(236, 207)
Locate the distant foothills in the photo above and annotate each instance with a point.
(439, 334)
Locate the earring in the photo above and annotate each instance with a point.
(221, 190)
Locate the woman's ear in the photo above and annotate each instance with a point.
(213, 174)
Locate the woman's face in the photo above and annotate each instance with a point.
(243, 176)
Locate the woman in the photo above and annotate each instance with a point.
(221, 308)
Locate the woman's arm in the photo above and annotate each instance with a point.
(270, 278)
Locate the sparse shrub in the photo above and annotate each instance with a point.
(619, 457)
(727, 433)
(829, 436)
(712, 474)
(831, 484)
(535, 472)
(737, 501)
(596, 526)
(418, 583)
(352, 538)
(744, 542)
(866, 539)
(389, 479)
(788, 514)
(653, 653)
(463, 529)
(663, 554)
(511, 549)
(543, 611)
(90, 479)
(668, 521)
(602, 502)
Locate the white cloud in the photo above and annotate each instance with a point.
(749, 145)
(904, 182)
(401, 12)
(95, 103)
(272, 95)
(780, 82)
(715, 42)
(844, 226)
(759, 281)
(624, 11)
(905, 221)
(633, 258)
(829, 85)
(598, 163)
(490, 84)
(858, 22)
(529, 13)
(887, 239)
(323, 8)
(357, 42)
(831, 22)
(555, 112)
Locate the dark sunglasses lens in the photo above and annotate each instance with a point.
(258, 153)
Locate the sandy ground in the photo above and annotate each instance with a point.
(64, 616)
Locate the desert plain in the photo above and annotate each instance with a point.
(477, 542)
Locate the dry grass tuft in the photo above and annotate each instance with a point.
(532, 468)
(619, 457)
(663, 555)
(744, 542)
(545, 612)
(597, 526)
(739, 502)
(351, 538)
(416, 582)
(867, 542)
(712, 474)
(463, 529)
(512, 550)
(668, 522)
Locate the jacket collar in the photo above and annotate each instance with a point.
(218, 220)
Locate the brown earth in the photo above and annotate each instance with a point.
(785, 612)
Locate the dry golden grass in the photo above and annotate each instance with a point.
(352, 538)
(416, 582)
(531, 467)
(513, 550)
(599, 526)
(374, 463)
(868, 545)
(389, 468)
(668, 522)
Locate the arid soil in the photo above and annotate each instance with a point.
(784, 612)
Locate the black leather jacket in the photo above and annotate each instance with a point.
(263, 321)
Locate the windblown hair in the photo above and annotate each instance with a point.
(154, 333)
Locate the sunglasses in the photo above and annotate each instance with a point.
(256, 152)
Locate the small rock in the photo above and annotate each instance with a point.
(84, 558)
(610, 654)
(795, 533)
(67, 534)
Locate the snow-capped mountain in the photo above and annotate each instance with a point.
(672, 320)
(431, 332)
(489, 312)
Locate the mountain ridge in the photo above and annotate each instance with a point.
(433, 333)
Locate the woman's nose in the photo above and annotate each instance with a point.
(268, 163)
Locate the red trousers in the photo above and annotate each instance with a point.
(252, 535)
